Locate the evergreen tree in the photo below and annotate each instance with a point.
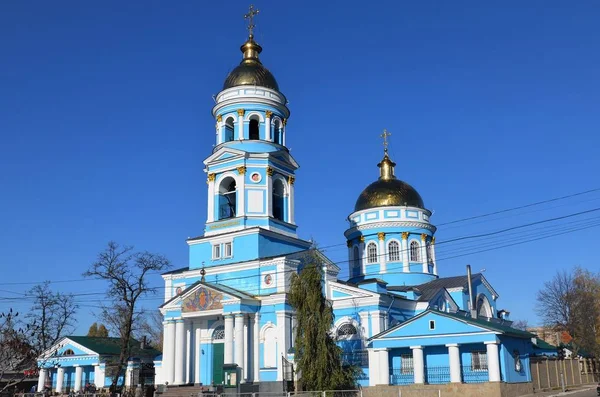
(93, 331)
(318, 358)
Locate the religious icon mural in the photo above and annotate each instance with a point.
(203, 299)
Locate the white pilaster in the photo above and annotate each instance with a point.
(246, 366)
(241, 195)
(493, 360)
(291, 203)
(228, 349)
(78, 376)
(418, 364)
(405, 263)
(282, 342)
(423, 248)
(240, 125)
(42, 379)
(382, 256)
(268, 126)
(255, 347)
(180, 352)
(188, 353)
(269, 193)
(168, 363)
(363, 260)
(433, 257)
(454, 358)
(100, 375)
(384, 367)
(60, 379)
(364, 323)
(221, 131)
(211, 201)
(239, 340)
(377, 322)
(197, 353)
(373, 366)
(283, 133)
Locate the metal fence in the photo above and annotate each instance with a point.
(437, 375)
(470, 375)
(404, 376)
(326, 393)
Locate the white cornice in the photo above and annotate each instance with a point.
(383, 224)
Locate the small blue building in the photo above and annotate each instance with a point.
(395, 316)
(76, 361)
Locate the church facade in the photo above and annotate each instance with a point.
(227, 320)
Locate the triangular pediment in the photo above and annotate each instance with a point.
(224, 154)
(67, 345)
(202, 296)
(341, 291)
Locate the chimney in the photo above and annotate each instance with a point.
(472, 306)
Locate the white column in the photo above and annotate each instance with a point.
(418, 364)
(493, 360)
(210, 214)
(268, 114)
(361, 253)
(433, 256)
(282, 342)
(405, 263)
(240, 124)
(364, 323)
(60, 378)
(269, 192)
(373, 366)
(283, 131)
(255, 347)
(423, 248)
(241, 194)
(100, 376)
(384, 367)
(220, 130)
(382, 254)
(228, 349)
(376, 322)
(291, 200)
(454, 357)
(180, 339)
(78, 376)
(246, 355)
(42, 379)
(188, 353)
(197, 353)
(168, 362)
(239, 340)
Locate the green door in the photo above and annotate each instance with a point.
(218, 358)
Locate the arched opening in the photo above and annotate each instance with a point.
(372, 253)
(394, 251)
(228, 130)
(227, 198)
(346, 330)
(277, 132)
(218, 334)
(278, 200)
(484, 309)
(356, 262)
(253, 129)
(69, 352)
(415, 252)
(270, 348)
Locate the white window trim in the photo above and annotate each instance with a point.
(214, 249)
(369, 244)
(399, 250)
(410, 257)
(224, 253)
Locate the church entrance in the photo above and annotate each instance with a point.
(218, 355)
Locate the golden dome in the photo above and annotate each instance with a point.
(388, 191)
(251, 71)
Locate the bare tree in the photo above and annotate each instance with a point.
(126, 272)
(153, 327)
(52, 316)
(556, 301)
(520, 324)
(16, 353)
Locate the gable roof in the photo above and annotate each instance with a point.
(542, 344)
(112, 346)
(491, 325)
(430, 289)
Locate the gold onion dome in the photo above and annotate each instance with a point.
(251, 71)
(388, 191)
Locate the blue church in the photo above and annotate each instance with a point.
(227, 320)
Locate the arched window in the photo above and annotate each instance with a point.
(415, 252)
(228, 130)
(69, 352)
(227, 198)
(356, 262)
(218, 334)
(394, 251)
(270, 348)
(372, 252)
(277, 132)
(278, 200)
(484, 309)
(254, 134)
(346, 331)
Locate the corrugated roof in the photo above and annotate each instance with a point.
(112, 346)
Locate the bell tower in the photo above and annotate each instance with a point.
(251, 173)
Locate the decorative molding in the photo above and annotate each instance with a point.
(423, 237)
(284, 122)
(241, 170)
(361, 239)
(241, 112)
(268, 114)
(291, 179)
(418, 225)
(269, 171)
(381, 236)
(211, 177)
(219, 118)
(349, 244)
(405, 235)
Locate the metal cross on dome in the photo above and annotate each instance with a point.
(385, 136)
(250, 17)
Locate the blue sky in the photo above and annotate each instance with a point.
(105, 120)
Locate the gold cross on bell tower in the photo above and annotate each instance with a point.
(250, 17)
(385, 136)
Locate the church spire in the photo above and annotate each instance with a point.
(250, 48)
(386, 166)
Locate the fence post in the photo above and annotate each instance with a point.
(537, 369)
(324, 393)
(399, 391)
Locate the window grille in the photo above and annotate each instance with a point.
(415, 252)
(406, 364)
(219, 333)
(479, 361)
(372, 253)
(394, 251)
(346, 330)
